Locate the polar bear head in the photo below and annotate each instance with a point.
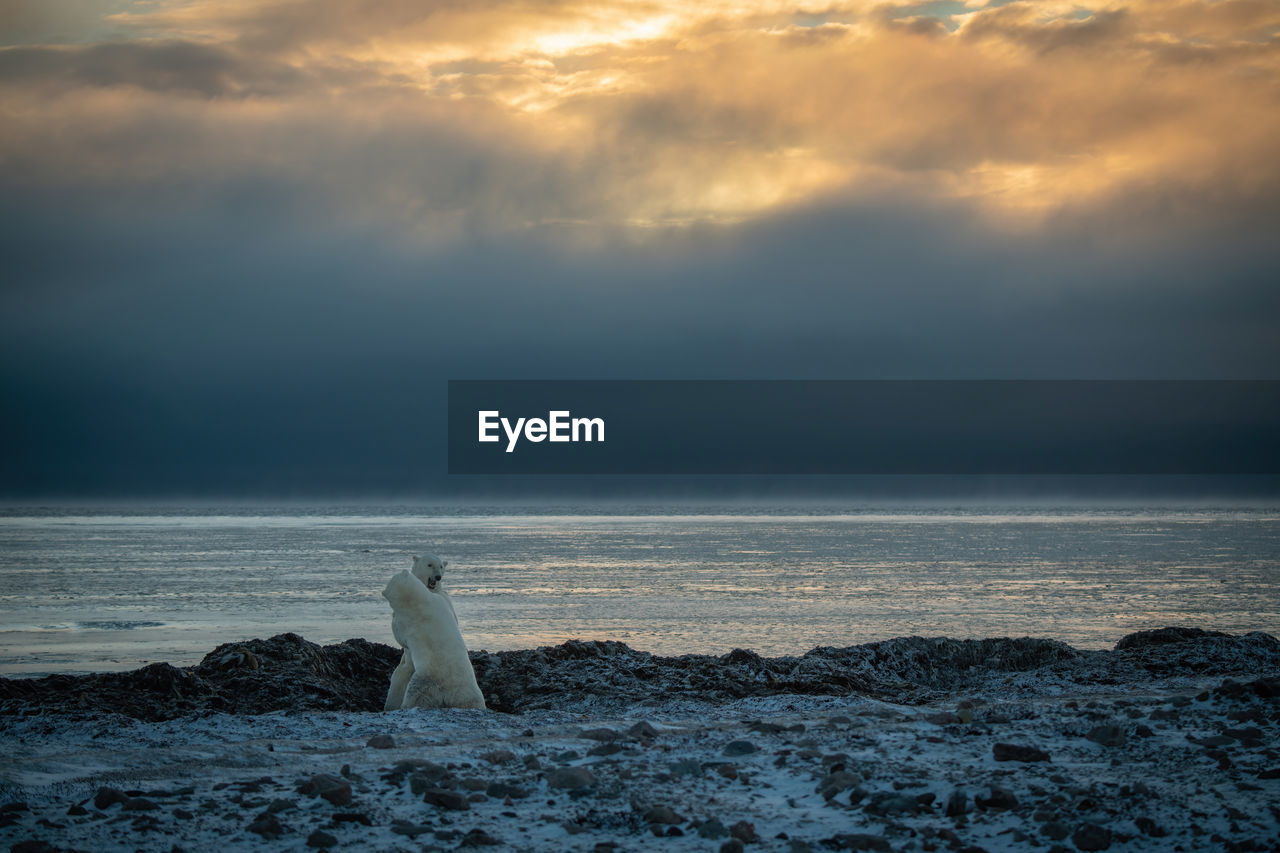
(429, 569)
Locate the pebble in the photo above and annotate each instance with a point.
(381, 742)
(643, 730)
(1090, 836)
(1107, 735)
(957, 803)
(571, 778)
(890, 803)
(446, 799)
(601, 734)
(267, 825)
(712, 828)
(107, 797)
(498, 756)
(505, 789)
(1017, 752)
(320, 838)
(409, 828)
(662, 814)
(860, 841)
(740, 747)
(334, 789)
(998, 800)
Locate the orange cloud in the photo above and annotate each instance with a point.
(525, 113)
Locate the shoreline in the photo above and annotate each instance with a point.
(909, 744)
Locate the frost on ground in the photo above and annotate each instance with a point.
(1167, 743)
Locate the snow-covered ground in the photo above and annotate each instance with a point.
(1191, 765)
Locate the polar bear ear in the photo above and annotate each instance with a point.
(444, 563)
(416, 560)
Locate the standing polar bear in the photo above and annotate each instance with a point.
(434, 670)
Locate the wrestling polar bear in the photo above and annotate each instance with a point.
(434, 670)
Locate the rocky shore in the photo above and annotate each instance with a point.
(1167, 742)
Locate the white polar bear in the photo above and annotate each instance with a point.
(434, 670)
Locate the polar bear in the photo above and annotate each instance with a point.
(434, 670)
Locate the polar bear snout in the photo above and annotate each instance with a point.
(433, 580)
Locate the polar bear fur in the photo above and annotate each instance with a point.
(434, 670)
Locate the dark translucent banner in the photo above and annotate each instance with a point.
(864, 427)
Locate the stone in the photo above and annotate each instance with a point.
(890, 803)
(572, 778)
(1017, 752)
(662, 814)
(643, 730)
(712, 828)
(107, 797)
(957, 803)
(1107, 735)
(998, 800)
(498, 756)
(446, 799)
(1090, 836)
(740, 747)
(381, 742)
(334, 789)
(500, 790)
(861, 841)
(320, 838)
(267, 825)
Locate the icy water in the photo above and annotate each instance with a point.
(84, 590)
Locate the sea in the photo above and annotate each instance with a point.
(86, 589)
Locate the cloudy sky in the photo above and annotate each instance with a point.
(246, 243)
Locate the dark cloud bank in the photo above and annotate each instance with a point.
(224, 352)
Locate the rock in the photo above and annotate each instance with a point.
(353, 817)
(501, 790)
(334, 789)
(1147, 826)
(77, 810)
(712, 828)
(733, 845)
(662, 814)
(1107, 735)
(572, 778)
(381, 742)
(602, 734)
(1055, 830)
(890, 803)
(139, 804)
(1090, 836)
(409, 828)
(957, 803)
(605, 749)
(643, 730)
(107, 797)
(685, 767)
(740, 747)
(744, 831)
(998, 800)
(478, 838)
(267, 825)
(33, 845)
(446, 799)
(860, 841)
(1143, 730)
(320, 838)
(1016, 752)
(498, 756)
(834, 783)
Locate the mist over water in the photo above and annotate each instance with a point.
(84, 590)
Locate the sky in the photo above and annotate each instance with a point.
(246, 243)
